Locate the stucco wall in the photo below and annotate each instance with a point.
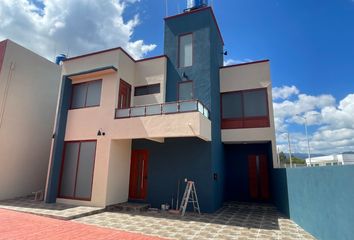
(245, 77)
(28, 97)
(319, 199)
(111, 170)
(147, 73)
(118, 172)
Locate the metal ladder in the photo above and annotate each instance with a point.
(189, 196)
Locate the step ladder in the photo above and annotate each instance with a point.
(189, 196)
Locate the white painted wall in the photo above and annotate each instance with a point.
(147, 73)
(244, 77)
(118, 172)
(28, 97)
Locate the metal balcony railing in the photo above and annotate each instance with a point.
(164, 108)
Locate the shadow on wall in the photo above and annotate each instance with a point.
(319, 199)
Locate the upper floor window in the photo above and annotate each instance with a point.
(245, 109)
(146, 90)
(87, 94)
(185, 90)
(185, 49)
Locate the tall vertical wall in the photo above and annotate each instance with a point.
(28, 94)
(207, 58)
(319, 199)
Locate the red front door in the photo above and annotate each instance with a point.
(124, 95)
(258, 177)
(138, 174)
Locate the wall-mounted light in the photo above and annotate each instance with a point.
(184, 77)
(224, 53)
(101, 132)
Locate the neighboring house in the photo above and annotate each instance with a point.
(29, 87)
(135, 129)
(330, 160)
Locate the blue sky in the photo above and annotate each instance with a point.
(310, 44)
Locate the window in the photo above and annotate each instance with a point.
(185, 90)
(245, 109)
(146, 90)
(87, 94)
(185, 49)
(77, 170)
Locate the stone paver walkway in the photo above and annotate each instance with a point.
(233, 221)
(22, 226)
(55, 210)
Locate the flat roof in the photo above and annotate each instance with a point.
(246, 63)
(113, 49)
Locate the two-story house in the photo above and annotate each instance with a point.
(133, 130)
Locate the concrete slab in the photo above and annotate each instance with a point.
(53, 210)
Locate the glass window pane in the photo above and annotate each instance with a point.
(94, 93)
(185, 91)
(231, 105)
(79, 95)
(255, 103)
(122, 113)
(186, 50)
(188, 106)
(69, 169)
(85, 170)
(170, 108)
(146, 90)
(137, 111)
(153, 109)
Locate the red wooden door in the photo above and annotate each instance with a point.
(258, 177)
(124, 95)
(138, 174)
(253, 176)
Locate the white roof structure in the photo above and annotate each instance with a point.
(340, 159)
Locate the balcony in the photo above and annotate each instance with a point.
(167, 120)
(164, 108)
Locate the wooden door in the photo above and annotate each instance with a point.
(138, 175)
(258, 177)
(124, 95)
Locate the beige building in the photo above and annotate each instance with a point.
(29, 87)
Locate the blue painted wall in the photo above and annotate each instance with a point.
(64, 105)
(319, 199)
(207, 59)
(177, 159)
(236, 174)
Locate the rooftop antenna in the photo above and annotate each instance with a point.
(166, 8)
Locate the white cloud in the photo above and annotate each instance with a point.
(231, 61)
(284, 92)
(331, 125)
(76, 27)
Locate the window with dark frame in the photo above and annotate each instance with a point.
(77, 170)
(147, 89)
(87, 94)
(185, 91)
(245, 109)
(185, 50)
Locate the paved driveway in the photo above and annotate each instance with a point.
(23, 226)
(233, 221)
